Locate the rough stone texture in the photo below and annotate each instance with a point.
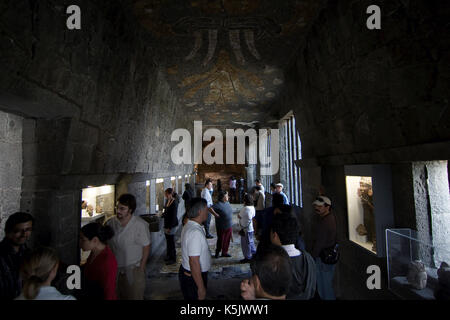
(10, 166)
(367, 97)
(356, 91)
(433, 206)
(93, 99)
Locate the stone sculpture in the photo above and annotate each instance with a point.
(90, 210)
(443, 289)
(417, 276)
(361, 230)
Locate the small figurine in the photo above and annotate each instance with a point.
(90, 210)
(417, 276)
(361, 230)
(442, 291)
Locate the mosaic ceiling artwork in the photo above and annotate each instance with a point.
(225, 59)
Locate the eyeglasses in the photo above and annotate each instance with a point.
(23, 230)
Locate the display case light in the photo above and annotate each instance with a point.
(172, 178)
(159, 180)
(147, 183)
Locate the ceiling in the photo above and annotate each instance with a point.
(225, 59)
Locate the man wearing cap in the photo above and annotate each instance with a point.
(325, 237)
(279, 189)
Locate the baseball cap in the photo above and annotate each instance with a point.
(321, 200)
(279, 185)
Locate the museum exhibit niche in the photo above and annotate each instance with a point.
(369, 205)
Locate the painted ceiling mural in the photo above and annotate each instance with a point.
(225, 58)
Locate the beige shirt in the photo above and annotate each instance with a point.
(128, 241)
(261, 200)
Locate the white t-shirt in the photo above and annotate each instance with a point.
(194, 243)
(128, 241)
(232, 184)
(48, 293)
(247, 213)
(207, 196)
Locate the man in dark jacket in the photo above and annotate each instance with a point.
(284, 232)
(325, 237)
(18, 229)
(223, 224)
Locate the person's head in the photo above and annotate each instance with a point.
(258, 182)
(248, 200)
(272, 187)
(188, 186)
(279, 187)
(322, 205)
(39, 267)
(126, 204)
(94, 234)
(271, 272)
(258, 188)
(277, 200)
(284, 229)
(223, 196)
(18, 227)
(208, 184)
(198, 210)
(169, 193)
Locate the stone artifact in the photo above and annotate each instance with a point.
(417, 276)
(98, 209)
(361, 230)
(83, 204)
(443, 289)
(90, 210)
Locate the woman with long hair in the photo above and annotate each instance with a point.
(170, 216)
(100, 269)
(246, 216)
(38, 270)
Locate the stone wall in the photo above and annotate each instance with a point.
(97, 108)
(367, 97)
(10, 166)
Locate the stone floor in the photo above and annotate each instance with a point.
(224, 276)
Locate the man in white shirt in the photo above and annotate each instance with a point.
(195, 254)
(206, 194)
(131, 246)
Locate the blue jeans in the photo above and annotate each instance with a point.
(325, 275)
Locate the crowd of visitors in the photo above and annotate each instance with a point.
(119, 249)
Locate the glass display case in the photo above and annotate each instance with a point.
(369, 205)
(417, 269)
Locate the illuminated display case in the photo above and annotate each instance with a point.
(369, 205)
(97, 205)
(416, 267)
